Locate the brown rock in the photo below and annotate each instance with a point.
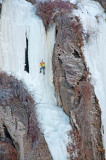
(7, 151)
(74, 91)
(18, 124)
(40, 151)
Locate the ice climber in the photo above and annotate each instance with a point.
(42, 67)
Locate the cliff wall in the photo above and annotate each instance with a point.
(20, 136)
(74, 92)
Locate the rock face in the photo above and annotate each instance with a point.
(74, 91)
(7, 151)
(41, 151)
(16, 118)
(12, 129)
(20, 136)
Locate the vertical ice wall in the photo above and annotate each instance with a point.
(93, 20)
(18, 25)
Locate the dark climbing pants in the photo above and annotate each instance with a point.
(42, 68)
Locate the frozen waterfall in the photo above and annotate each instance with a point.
(23, 41)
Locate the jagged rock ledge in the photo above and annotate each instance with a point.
(20, 136)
